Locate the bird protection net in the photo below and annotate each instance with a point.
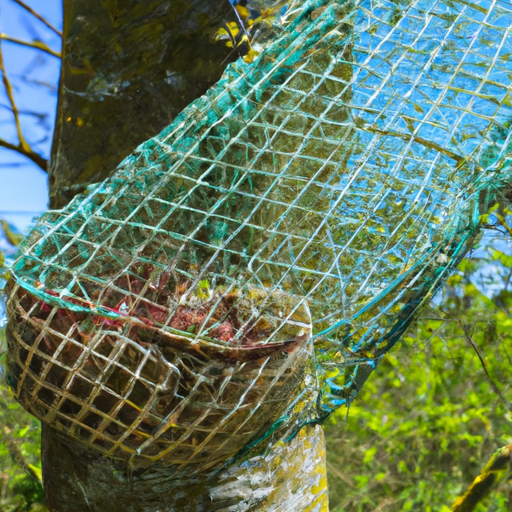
(243, 272)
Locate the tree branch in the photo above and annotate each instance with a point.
(14, 108)
(39, 45)
(494, 472)
(484, 366)
(23, 147)
(35, 157)
(503, 221)
(38, 16)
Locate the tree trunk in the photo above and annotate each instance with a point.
(128, 69)
(290, 477)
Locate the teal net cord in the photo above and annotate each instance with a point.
(243, 272)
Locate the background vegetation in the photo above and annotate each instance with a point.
(20, 466)
(431, 415)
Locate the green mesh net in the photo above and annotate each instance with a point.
(243, 272)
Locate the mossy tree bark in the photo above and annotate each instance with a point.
(496, 471)
(288, 477)
(128, 69)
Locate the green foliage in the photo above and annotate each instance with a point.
(491, 476)
(427, 421)
(21, 487)
(20, 466)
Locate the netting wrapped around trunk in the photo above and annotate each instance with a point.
(316, 196)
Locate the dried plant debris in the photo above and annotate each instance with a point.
(143, 387)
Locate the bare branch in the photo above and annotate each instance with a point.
(14, 108)
(39, 45)
(38, 16)
(35, 157)
(340, 475)
(23, 147)
(503, 222)
(484, 366)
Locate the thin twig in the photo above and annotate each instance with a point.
(39, 45)
(14, 108)
(484, 366)
(38, 115)
(35, 157)
(441, 319)
(503, 346)
(18, 457)
(23, 147)
(503, 222)
(38, 16)
(340, 475)
(424, 142)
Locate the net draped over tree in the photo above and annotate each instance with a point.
(243, 272)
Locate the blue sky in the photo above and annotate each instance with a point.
(34, 76)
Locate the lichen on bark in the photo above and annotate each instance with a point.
(128, 69)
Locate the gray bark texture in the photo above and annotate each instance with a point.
(287, 477)
(129, 67)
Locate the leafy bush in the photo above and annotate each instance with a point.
(20, 467)
(429, 419)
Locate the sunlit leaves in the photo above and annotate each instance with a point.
(13, 237)
(243, 33)
(427, 421)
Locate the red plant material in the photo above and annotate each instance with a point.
(160, 300)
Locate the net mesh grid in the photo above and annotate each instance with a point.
(317, 196)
